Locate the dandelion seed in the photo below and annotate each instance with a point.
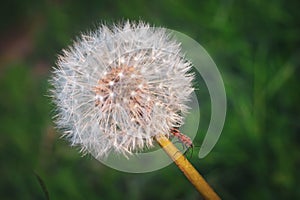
(117, 88)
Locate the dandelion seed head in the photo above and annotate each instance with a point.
(116, 88)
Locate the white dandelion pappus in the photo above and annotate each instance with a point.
(115, 89)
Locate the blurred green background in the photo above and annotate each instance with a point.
(254, 43)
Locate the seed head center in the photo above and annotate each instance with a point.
(125, 87)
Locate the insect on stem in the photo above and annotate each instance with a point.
(184, 139)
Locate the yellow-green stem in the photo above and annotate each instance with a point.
(187, 168)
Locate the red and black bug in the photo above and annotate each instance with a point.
(185, 140)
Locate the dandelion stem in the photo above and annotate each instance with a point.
(187, 168)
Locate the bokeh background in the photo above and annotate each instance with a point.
(254, 43)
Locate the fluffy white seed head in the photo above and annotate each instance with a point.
(116, 88)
